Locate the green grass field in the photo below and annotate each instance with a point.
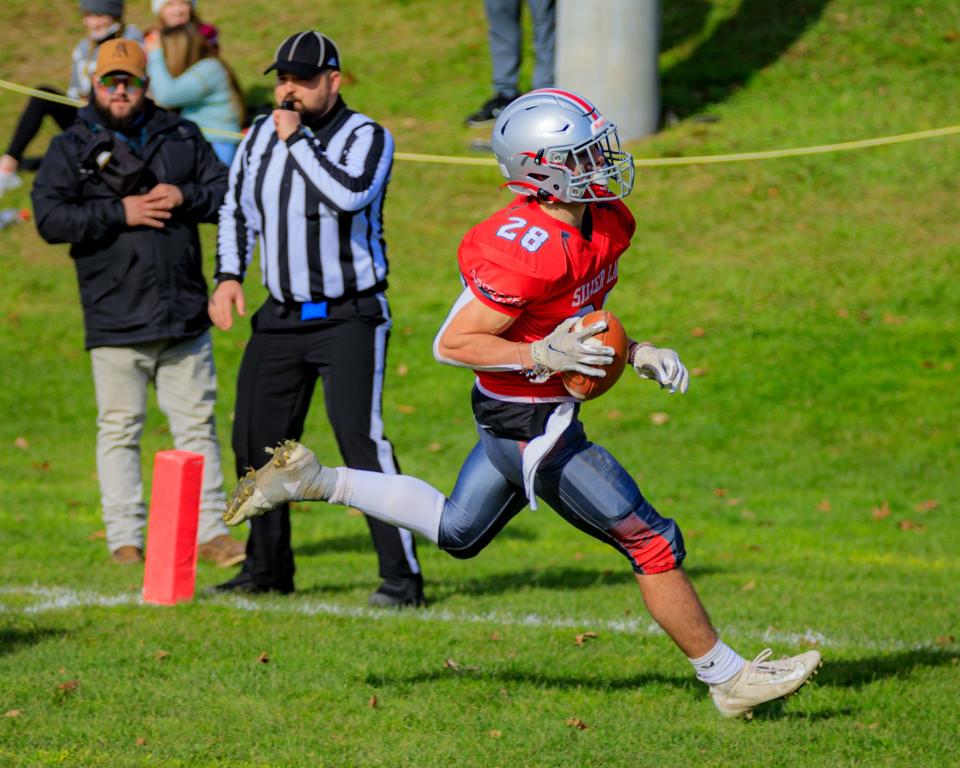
(813, 464)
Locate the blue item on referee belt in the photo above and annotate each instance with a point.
(313, 310)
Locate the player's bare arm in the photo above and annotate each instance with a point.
(471, 338)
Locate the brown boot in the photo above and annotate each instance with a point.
(127, 555)
(223, 551)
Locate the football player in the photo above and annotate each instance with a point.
(529, 270)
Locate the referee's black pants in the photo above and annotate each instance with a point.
(281, 364)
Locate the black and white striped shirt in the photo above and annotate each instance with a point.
(315, 202)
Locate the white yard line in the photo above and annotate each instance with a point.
(49, 599)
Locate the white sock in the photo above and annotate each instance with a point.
(396, 499)
(720, 664)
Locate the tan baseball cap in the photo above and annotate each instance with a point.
(121, 55)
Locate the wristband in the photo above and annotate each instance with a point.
(632, 353)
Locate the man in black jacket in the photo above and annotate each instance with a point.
(126, 185)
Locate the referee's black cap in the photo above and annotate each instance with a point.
(305, 54)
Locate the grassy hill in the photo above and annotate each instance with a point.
(812, 465)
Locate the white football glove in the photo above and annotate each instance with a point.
(661, 365)
(565, 350)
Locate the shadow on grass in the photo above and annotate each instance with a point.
(560, 578)
(857, 673)
(739, 47)
(440, 590)
(538, 680)
(361, 542)
(13, 639)
(681, 19)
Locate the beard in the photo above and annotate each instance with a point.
(119, 123)
(312, 118)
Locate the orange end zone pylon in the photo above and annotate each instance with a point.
(171, 564)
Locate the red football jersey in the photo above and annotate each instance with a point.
(526, 264)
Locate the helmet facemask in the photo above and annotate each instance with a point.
(599, 169)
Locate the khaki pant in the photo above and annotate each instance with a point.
(182, 372)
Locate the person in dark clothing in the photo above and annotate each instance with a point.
(309, 182)
(103, 20)
(126, 185)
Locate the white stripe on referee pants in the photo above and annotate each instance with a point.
(384, 449)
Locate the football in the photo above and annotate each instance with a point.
(588, 387)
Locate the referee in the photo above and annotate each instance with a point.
(309, 185)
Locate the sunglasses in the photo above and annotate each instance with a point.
(110, 83)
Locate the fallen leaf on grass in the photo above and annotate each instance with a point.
(263, 658)
(891, 319)
(495, 734)
(841, 312)
(882, 512)
(582, 638)
(402, 369)
(951, 37)
(721, 492)
(927, 505)
(68, 685)
(946, 640)
(576, 722)
(451, 664)
(373, 702)
(22, 443)
(97, 535)
(578, 556)
(494, 636)
(434, 447)
(12, 713)
(406, 409)
(824, 506)
(698, 332)
(659, 418)
(699, 372)
(866, 726)
(614, 415)
(928, 364)
(161, 655)
(43, 466)
(140, 742)
(910, 525)
(749, 585)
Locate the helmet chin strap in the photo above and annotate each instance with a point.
(541, 194)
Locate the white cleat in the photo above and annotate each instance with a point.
(288, 476)
(762, 680)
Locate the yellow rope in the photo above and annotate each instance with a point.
(42, 94)
(797, 151)
(769, 154)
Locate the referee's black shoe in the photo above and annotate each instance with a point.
(244, 584)
(399, 592)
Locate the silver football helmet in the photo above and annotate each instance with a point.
(556, 145)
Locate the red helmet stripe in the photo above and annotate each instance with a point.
(586, 106)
